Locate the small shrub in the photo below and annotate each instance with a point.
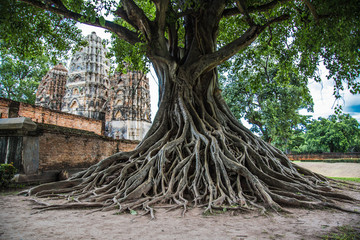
(7, 172)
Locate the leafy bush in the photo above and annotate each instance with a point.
(7, 172)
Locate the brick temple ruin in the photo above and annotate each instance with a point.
(87, 89)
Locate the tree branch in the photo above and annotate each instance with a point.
(312, 10)
(120, 12)
(173, 37)
(277, 19)
(161, 9)
(137, 16)
(210, 61)
(122, 32)
(251, 9)
(242, 8)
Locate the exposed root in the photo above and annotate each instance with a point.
(197, 156)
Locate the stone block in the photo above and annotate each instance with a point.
(21, 123)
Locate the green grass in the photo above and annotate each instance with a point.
(346, 179)
(343, 233)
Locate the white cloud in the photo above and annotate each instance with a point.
(324, 100)
(87, 29)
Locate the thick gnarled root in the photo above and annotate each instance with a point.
(195, 159)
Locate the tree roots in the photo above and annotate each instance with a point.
(196, 158)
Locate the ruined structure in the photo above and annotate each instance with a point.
(122, 101)
(129, 106)
(88, 83)
(52, 88)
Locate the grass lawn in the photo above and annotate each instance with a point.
(346, 179)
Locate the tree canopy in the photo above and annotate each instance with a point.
(27, 32)
(20, 78)
(196, 152)
(31, 40)
(310, 31)
(337, 133)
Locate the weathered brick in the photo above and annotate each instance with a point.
(47, 116)
(59, 151)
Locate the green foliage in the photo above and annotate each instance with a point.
(7, 172)
(27, 32)
(20, 78)
(301, 43)
(266, 83)
(337, 133)
(127, 56)
(31, 40)
(333, 39)
(133, 212)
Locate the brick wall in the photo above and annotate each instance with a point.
(65, 150)
(47, 116)
(4, 108)
(323, 156)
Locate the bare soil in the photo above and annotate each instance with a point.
(17, 221)
(350, 170)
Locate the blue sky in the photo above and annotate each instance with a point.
(322, 93)
(353, 108)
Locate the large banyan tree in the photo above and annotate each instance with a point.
(196, 152)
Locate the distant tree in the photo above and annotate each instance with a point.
(337, 133)
(296, 141)
(20, 78)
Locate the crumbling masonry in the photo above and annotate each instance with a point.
(122, 101)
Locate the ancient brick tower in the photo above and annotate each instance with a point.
(121, 100)
(129, 106)
(88, 82)
(52, 88)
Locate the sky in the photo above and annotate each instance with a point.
(325, 102)
(322, 93)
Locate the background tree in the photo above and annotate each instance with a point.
(337, 133)
(20, 79)
(196, 152)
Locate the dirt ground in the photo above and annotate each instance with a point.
(17, 221)
(333, 169)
